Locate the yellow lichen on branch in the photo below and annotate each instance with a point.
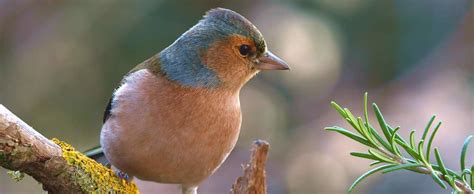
(55, 164)
(92, 176)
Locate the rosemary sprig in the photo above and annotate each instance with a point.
(384, 150)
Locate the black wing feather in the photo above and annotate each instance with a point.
(108, 109)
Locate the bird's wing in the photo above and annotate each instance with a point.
(108, 109)
(97, 153)
(150, 64)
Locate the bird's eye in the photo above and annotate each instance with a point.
(244, 49)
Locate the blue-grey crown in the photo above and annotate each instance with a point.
(182, 62)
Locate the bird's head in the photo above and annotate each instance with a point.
(223, 50)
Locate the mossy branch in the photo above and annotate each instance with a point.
(55, 164)
(62, 169)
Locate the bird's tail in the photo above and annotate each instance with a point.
(98, 155)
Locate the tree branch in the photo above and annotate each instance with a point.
(59, 168)
(253, 180)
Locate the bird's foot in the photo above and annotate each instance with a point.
(122, 175)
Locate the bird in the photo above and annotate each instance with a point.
(176, 116)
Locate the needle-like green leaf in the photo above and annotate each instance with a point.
(350, 115)
(466, 172)
(366, 112)
(379, 138)
(451, 182)
(375, 163)
(463, 152)
(353, 125)
(365, 131)
(440, 162)
(412, 139)
(450, 172)
(362, 128)
(428, 126)
(428, 147)
(472, 176)
(380, 156)
(338, 109)
(353, 121)
(349, 134)
(438, 180)
(364, 155)
(381, 120)
(408, 149)
(420, 152)
(393, 144)
(398, 135)
(368, 173)
(401, 167)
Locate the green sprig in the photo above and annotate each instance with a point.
(385, 150)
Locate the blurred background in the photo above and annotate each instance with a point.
(61, 60)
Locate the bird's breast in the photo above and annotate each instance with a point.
(162, 132)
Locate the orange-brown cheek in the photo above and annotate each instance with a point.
(230, 67)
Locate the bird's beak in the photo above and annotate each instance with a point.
(268, 61)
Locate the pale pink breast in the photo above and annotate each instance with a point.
(161, 132)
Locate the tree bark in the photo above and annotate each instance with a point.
(254, 179)
(60, 169)
(23, 149)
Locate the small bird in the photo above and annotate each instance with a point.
(176, 117)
